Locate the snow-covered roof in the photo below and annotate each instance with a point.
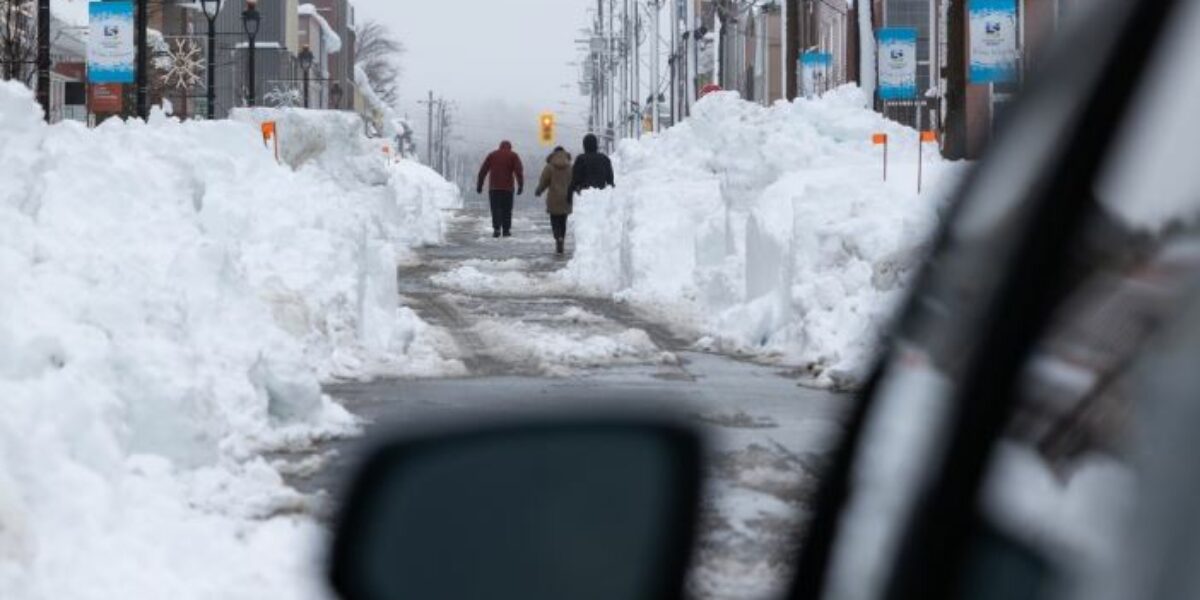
(333, 42)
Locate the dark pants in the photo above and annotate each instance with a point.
(558, 223)
(502, 209)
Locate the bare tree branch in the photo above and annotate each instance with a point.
(378, 52)
(18, 42)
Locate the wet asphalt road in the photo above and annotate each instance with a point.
(768, 434)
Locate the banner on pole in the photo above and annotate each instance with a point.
(897, 62)
(993, 26)
(815, 72)
(110, 51)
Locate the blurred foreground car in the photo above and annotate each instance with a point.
(1029, 431)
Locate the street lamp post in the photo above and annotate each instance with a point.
(211, 9)
(142, 77)
(43, 57)
(306, 61)
(250, 22)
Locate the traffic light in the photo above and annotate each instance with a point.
(546, 123)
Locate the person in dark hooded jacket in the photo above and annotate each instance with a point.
(556, 181)
(593, 170)
(500, 168)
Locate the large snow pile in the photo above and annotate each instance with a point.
(770, 228)
(172, 298)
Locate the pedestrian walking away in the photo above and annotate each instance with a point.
(593, 170)
(556, 183)
(504, 173)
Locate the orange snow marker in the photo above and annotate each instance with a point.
(926, 137)
(268, 133)
(881, 139)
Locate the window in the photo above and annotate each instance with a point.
(1064, 481)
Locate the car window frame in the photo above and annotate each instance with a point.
(1017, 313)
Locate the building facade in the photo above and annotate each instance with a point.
(1037, 21)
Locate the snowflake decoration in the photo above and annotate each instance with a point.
(184, 65)
(283, 97)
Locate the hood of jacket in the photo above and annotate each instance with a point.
(506, 145)
(559, 160)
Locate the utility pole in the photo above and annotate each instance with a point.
(719, 50)
(784, 18)
(140, 25)
(626, 71)
(43, 57)
(429, 133)
(444, 155)
(791, 51)
(693, 56)
(674, 61)
(441, 136)
(656, 6)
(955, 147)
(636, 119)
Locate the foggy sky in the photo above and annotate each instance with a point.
(500, 61)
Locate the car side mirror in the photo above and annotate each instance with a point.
(575, 509)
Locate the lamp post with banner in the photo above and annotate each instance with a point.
(250, 22)
(211, 9)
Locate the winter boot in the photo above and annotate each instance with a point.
(558, 245)
(496, 233)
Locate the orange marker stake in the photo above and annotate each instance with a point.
(926, 136)
(881, 139)
(268, 133)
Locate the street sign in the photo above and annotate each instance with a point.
(106, 98)
(110, 50)
(897, 62)
(993, 25)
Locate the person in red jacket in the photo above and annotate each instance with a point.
(501, 168)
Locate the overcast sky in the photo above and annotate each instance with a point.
(500, 61)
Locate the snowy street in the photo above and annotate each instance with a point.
(738, 275)
(769, 434)
(598, 299)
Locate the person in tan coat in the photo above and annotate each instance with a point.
(556, 182)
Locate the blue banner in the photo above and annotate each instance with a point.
(993, 31)
(897, 62)
(815, 72)
(111, 51)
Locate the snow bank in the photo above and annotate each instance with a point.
(172, 298)
(770, 230)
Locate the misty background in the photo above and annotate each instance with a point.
(498, 64)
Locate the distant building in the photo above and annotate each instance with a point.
(324, 46)
(68, 72)
(749, 40)
(340, 15)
